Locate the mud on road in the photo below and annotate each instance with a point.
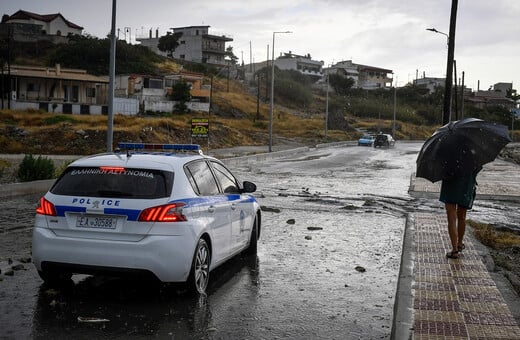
(326, 267)
(311, 278)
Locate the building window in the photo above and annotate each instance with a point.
(58, 33)
(32, 87)
(75, 94)
(155, 84)
(182, 56)
(182, 42)
(90, 92)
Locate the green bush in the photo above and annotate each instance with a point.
(55, 119)
(4, 165)
(33, 169)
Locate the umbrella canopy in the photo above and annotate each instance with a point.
(460, 148)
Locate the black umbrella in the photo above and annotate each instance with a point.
(460, 148)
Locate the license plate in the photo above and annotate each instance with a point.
(96, 222)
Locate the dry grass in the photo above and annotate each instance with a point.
(234, 122)
(496, 239)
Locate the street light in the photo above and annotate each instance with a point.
(272, 98)
(446, 112)
(434, 30)
(446, 115)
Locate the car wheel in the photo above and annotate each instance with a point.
(253, 242)
(199, 274)
(54, 277)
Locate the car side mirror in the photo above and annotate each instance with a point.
(249, 186)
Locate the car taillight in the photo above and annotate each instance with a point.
(45, 208)
(163, 213)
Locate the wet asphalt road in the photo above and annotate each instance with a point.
(326, 268)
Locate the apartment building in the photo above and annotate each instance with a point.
(301, 63)
(364, 76)
(196, 44)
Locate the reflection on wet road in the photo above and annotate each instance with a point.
(327, 264)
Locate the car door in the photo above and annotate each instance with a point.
(240, 205)
(214, 208)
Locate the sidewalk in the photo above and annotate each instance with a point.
(441, 298)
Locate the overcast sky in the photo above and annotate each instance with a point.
(389, 34)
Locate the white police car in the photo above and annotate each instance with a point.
(171, 212)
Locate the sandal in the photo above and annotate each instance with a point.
(452, 255)
(461, 247)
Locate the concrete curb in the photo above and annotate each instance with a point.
(402, 323)
(262, 156)
(25, 188)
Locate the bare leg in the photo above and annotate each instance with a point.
(451, 212)
(461, 225)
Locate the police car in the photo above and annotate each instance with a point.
(161, 209)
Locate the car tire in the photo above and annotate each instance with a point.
(253, 242)
(199, 274)
(54, 277)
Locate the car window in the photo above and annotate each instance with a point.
(227, 181)
(114, 182)
(201, 178)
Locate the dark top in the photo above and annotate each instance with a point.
(459, 190)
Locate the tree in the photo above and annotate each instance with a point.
(169, 42)
(231, 56)
(181, 94)
(340, 84)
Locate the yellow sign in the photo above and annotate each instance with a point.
(199, 127)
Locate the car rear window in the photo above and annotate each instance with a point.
(114, 182)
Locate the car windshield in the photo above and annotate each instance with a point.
(114, 182)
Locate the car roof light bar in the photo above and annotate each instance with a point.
(164, 147)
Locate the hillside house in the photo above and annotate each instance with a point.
(152, 92)
(196, 45)
(303, 64)
(365, 77)
(31, 27)
(493, 97)
(53, 89)
(430, 83)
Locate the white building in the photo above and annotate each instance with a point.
(303, 64)
(27, 26)
(430, 83)
(196, 44)
(365, 77)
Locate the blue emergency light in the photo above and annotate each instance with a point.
(152, 146)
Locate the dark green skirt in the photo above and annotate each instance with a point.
(460, 191)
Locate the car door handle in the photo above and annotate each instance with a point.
(211, 209)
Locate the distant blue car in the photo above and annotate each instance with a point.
(366, 140)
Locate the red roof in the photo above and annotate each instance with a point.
(24, 15)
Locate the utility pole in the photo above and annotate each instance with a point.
(327, 109)
(462, 100)
(455, 92)
(112, 75)
(9, 89)
(446, 113)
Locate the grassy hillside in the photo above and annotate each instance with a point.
(235, 124)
